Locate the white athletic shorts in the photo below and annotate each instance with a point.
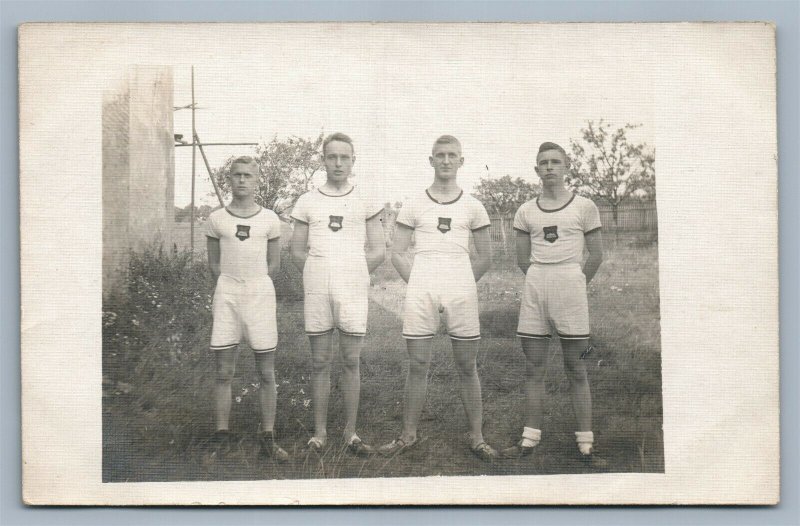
(336, 296)
(441, 285)
(244, 310)
(554, 298)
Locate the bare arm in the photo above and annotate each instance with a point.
(376, 243)
(594, 244)
(274, 257)
(212, 245)
(400, 260)
(483, 247)
(299, 245)
(523, 241)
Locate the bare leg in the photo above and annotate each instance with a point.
(321, 357)
(265, 365)
(350, 347)
(465, 354)
(419, 361)
(226, 365)
(579, 382)
(535, 350)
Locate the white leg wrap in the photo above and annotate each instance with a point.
(531, 436)
(585, 441)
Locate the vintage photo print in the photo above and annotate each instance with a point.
(386, 263)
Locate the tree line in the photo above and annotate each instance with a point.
(605, 166)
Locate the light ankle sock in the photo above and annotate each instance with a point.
(585, 441)
(531, 437)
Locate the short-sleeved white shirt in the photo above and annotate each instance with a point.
(243, 241)
(443, 227)
(557, 236)
(336, 223)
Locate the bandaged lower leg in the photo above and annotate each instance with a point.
(585, 441)
(531, 437)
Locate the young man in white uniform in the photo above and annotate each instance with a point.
(442, 280)
(244, 253)
(552, 232)
(331, 226)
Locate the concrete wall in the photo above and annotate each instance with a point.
(138, 167)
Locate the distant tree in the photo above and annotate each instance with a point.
(286, 168)
(503, 196)
(606, 167)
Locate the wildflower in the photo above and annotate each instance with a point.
(302, 392)
(238, 399)
(306, 402)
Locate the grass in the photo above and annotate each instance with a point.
(158, 375)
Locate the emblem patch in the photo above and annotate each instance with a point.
(242, 232)
(336, 223)
(444, 225)
(551, 233)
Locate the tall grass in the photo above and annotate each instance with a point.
(158, 375)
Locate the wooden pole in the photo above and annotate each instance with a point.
(208, 167)
(194, 160)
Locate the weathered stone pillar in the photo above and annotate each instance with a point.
(138, 167)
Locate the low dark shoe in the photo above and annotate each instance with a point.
(270, 449)
(359, 448)
(517, 451)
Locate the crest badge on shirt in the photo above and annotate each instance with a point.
(551, 233)
(336, 223)
(242, 232)
(444, 225)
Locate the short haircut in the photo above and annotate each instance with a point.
(547, 146)
(341, 137)
(447, 139)
(243, 159)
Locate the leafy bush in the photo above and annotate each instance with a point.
(161, 317)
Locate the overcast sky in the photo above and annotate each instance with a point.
(394, 92)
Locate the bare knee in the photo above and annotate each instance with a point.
(576, 373)
(418, 366)
(351, 363)
(321, 364)
(534, 371)
(225, 374)
(466, 366)
(266, 375)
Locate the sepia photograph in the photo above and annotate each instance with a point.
(390, 252)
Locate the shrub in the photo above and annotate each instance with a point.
(160, 316)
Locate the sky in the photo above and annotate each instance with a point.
(394, 92)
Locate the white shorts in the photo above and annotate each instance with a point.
(554, 298)
(336, 296)
(441, 286)
(244, 309)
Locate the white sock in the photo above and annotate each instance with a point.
(585, 441)
(531, 437)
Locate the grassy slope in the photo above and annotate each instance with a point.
(157, 429)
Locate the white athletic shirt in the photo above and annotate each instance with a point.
(557, 236)
(336, 224)
(243, 241)
(443, 227)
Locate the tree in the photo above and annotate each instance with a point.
(503, 196)
(286, 171)
(606, 167)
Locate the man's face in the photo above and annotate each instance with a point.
(446, 160)
(243, 179)
(551, 165)
(338, 158)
